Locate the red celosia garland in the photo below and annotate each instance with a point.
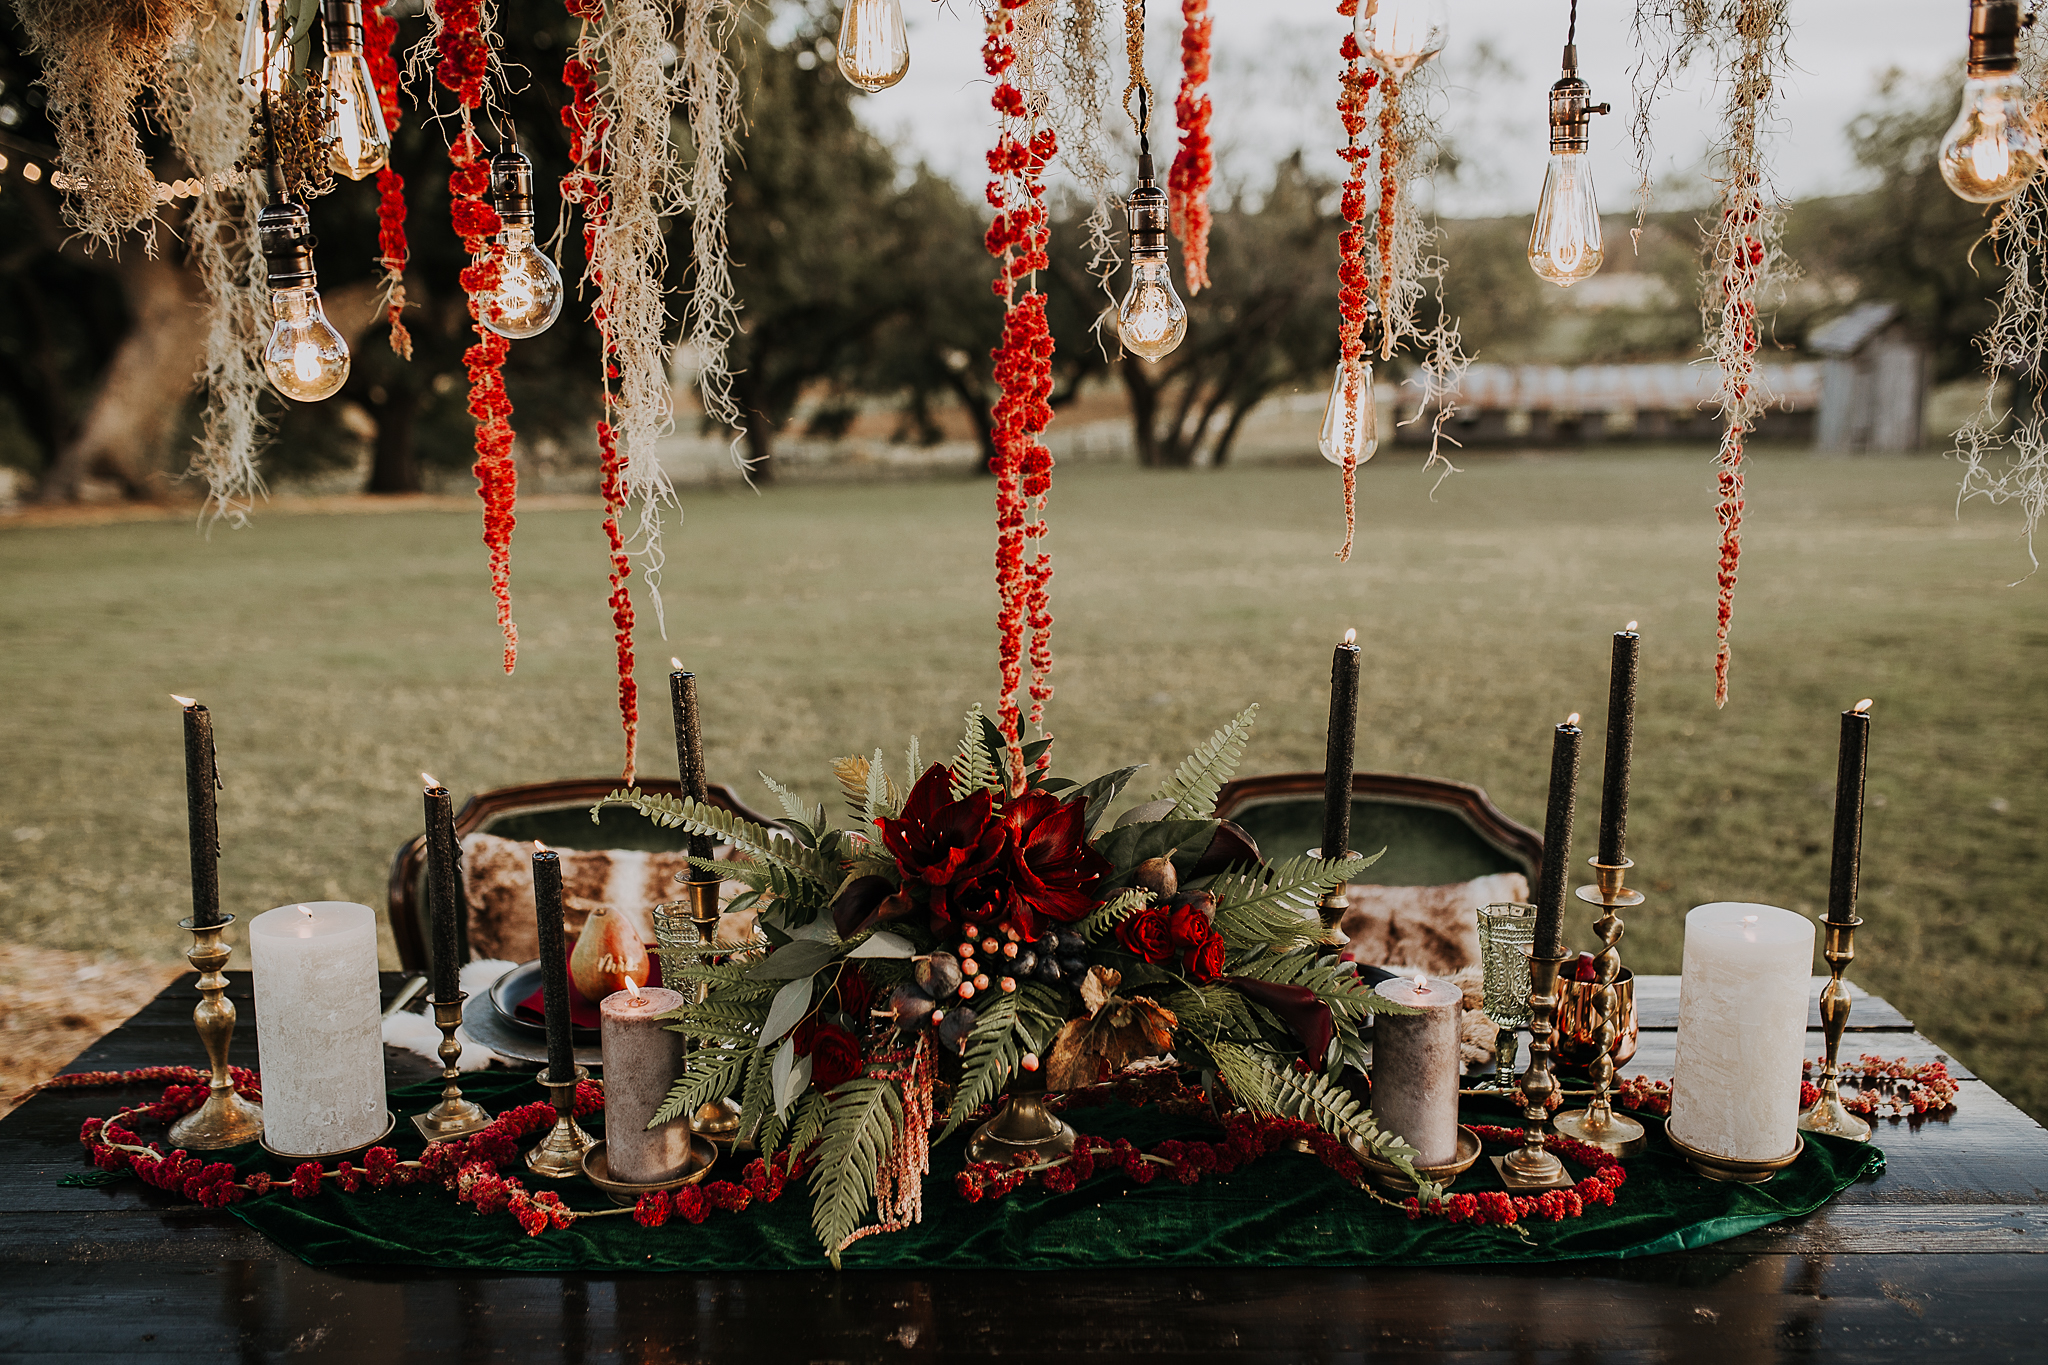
(583, 185)
(1390, 189)
(1023, 372)
(379, 33)
(1897, 1087)
(465, 58)
(1194, 164)
(1739, 276)
(1501, 1209)
(1354, 280)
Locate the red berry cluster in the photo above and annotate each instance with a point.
(378, 35)
(1194, 164)
(1018, 238)
(1354, 280)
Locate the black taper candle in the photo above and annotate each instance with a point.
(1557, 837)
(682, 692)
(202, 819)
(554, 964)
(1621, 740)
(1851, 760)
(444, 894)
(1343, 740)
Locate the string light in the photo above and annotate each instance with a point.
(527, 298)
(1565, 245)
(1992, 149)
(1151, 319)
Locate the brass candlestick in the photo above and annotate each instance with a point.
(560, 1153)
(1534, 1166)
(1826, 1114)
(454, 1116)
(1597, 1124)
(1334, 903)
(226, 1119)
(717, 1119)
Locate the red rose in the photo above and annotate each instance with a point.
(946, 845)
(1204, 961)
(1190, 927)
(835, 1058)
(1147, 935)
(856, 995)
(1052, 871)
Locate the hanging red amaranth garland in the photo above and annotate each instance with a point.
(465, 57)
(583, 185)
(1354, 279)
(1390, 189)
(1023, 371)
(379, 34)
(1194, 164)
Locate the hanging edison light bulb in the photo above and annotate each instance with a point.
(1564, 243)
(1400, 35)
(874, 51)
(528, 296)
(266, 48)
(1151, 319)
(1351, 419)
(1992, 149)
(305, 357)
(358, 144)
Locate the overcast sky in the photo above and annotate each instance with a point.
(1276, 76)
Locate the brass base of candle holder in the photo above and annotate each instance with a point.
(718, 1120)
(1731, 1169)
(453, 1116)
(1332, 906)
(1023, 1124)
(1618, 1135)
(1391, 1179)
(560, 1153)
(1517, 1183)
(1827, 1114)
(1532, 1166)
(226, 1119)
(597, 1170)
(390, 1123)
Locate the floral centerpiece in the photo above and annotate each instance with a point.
(982, 922)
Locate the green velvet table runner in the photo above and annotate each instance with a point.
(1283, 1210)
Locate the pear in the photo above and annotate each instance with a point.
(608, 953)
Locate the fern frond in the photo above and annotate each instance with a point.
(728, 980)
(792, 804)
(709, 1073)
(1348, 997)
(806, 1121)
(1196, 782)
(861, 1122)
(698, 817)
(913, 765)
(1246, 1073)
(1330, 1107)
(1277, 907)
(852, 772)
(971, 769)
(729, 1015)
(1112, 912)
(757, 1097)
(989, 1058)
(1212, 1013)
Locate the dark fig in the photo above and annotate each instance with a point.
(1070, 942)
(1073, 966)
(959, 1022)
(909, 1006)
(939, 975)
(1048, 971)
(1157, 876)
(1026, 960)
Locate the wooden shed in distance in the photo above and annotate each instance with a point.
(1873, 387)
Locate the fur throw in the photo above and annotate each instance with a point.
(497, 874)
(1435, 928)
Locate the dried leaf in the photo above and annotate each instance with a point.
(1098, 987)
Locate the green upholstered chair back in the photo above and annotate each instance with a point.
(1435, 832)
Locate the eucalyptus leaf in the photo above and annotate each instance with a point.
(1103, 790)
(818, 930)
(1129, 845)
(791, 1076)
(791, 1003)
(800, 957)
(882, 943)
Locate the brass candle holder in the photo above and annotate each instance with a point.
(453, 1116)
(1534, 1166)
(226, 1119)
(560, 1153)
(1597, 1124)
(717, 1119)
(1334, 903)
(1827, 1114)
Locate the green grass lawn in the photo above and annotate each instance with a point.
(343, 654)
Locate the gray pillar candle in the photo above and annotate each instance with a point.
(642, 1059)
(1415, 1067)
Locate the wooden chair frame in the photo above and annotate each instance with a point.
(1467, 801)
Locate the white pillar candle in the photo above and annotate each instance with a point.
(318, 1039)
(1741, 1030)
(1415, 1067)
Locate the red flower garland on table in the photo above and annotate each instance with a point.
(1194, 164)
(1017, 238)
(1501, 1209)
(1354, 280)
(379, 34)
(1896, 1086)
(465, 58)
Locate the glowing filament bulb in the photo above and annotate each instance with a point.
(357, 142)
(1351, 422)
(528, 298)
(1151, 319)
(874, 51)
(1992, 149)
(1565, 244)
(305, 357)
(1400, 35)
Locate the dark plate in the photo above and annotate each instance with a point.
(513, 987)
(513, 1041)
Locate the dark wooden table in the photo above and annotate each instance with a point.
(1939, 1258)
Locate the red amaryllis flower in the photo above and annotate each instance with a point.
(947, 846)
(1052, 871)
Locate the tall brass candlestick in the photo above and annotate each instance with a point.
(226, 1119)
(1598, 1124)
(1827, 1114)
(1533, 1166)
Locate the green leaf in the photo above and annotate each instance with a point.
(1128, 845)
(1102, 791)
(791, 1076)
(1112, 912)
(1277, 906)
(755, 1095)
(697, 817)
(988, 1059)
(861, 1123)
(1246, 1073)
(708, 1074)
(1200, 777)
(792, 1002)
(807, 1122)
(882, 943)
(971, 770)
(1320, 1100)
(799, 957)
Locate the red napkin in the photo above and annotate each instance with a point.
(582, 1011)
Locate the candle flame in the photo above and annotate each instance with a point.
(1421, 980)
(634, 987)
(539, 847)
(1350, 637)
(306, 925)
(184, 701)
(675, 663)
(1863, 707)
(429, 779)
(1630, 626)
(1572, 719)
